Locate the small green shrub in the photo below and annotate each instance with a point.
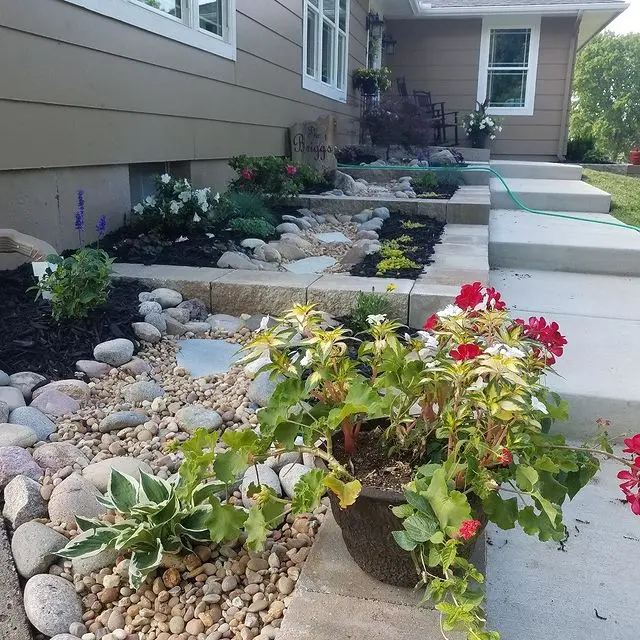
(78, 284)
(395, 263)
(368, 304)
(249, 205)
(425, 181)
(449, 179)
(583, 149)
(408, 224)
(253, 227)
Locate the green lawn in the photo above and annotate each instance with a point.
(625, 192)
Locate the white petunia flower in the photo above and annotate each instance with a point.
(538, 406)
(505, 351)
(217, 197)
(165, 178)
(492, 137)
(174, 207)
(205, 207)
(139, 208)
(201, 195)
(449, 311)
(182, 239)
(482, 125)
(430, 342)
(376, 319)
(196, 217)
(210, 235)
(185, 196)
(150, 201)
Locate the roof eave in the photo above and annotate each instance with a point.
(423, 9)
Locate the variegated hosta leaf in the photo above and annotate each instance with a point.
(153, 489)
(84, 524)
(90, 543)
(206, 491)
(123, 491)
(143, 562)
(134, 537)
(168, 513)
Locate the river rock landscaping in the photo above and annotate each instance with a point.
(62, 434)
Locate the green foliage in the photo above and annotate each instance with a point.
(393, 256)
(273, 177)
(249, 205)
(371, 80)
(425, 181)
(606, 94)
(368, 304)
(625, 194)
(583, 149)
(253, 228)
(408, 224)
(77, 284)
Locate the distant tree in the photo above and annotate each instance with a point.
(606, 93)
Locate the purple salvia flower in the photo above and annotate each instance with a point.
(101, 226)
(79, 221)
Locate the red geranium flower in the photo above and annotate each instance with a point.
(493, 301)
(247, 174)
(634, 500)
(291, 170)
(505, 458)
(468, 529)
(547, 334)
(470, 296)
(431, 322)
(631, 478)
(633, 445)
(466, 352)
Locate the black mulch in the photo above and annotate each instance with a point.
(31, 341)
(423, 241)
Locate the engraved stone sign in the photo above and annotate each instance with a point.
(312, 143)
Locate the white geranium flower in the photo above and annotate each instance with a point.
(205, 207)
(182, 239)
(376, 319)
(165, 178)
(150, 201)
(185, 196)
(139, 208)
(196, 217)
(308, 359)
(538, 406)
(174, 207)
(450, 311)
(201, 195)
(217, 197)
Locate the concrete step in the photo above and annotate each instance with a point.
(537, 170)
(599, 317)
(550, 195)
(520, 240)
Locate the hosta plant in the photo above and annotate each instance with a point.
(462, 402)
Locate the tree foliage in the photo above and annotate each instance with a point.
(606, 93)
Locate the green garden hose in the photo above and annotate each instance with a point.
(522, 206)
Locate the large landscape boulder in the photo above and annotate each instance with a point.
(34, 418)
(114, 352)
(16, 461)
(23, 502)
(33, 547)
(58, 455)
(99, 473)
(74, 496)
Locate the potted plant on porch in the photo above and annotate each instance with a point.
(634, 155)
(480, 126)
(426, 437)
(369, 81)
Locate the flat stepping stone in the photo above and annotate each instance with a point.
(333, 236)
(207, 357)
(316, 264)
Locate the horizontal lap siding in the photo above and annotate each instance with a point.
(441, 56)
(89, 90)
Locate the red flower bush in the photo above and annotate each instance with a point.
(476, 297)
(291, 170)
(547, 334)
(247, 174)
(469, 528)
(466, 352)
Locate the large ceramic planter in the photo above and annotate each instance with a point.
(634, 157)
(479, 142)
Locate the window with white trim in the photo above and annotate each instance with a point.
(509, 65)
(326, 47)
(205, 24)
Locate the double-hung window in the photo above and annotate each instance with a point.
(326, 47)
(205, 24)
(509, 65)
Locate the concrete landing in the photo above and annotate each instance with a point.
(334, 599)
(535, 591)
(550, 195)
(537, 170)
(520, 240)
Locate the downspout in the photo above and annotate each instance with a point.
(568, 84)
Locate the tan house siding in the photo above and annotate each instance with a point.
(88, 90)
(442, 55)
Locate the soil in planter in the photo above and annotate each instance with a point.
(130, 244)
(419, 247)
(31, 341)
(372, 466)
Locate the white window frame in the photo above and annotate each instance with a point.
(509, 22)
(316, 84)
(186, 31)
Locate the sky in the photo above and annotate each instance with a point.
(629, 21)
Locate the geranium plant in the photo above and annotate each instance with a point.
(462, 403)
(480, 126)
(176, 205)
